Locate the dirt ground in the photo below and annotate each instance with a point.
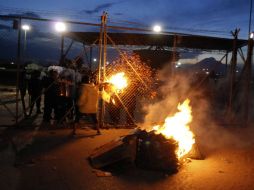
(44, 158)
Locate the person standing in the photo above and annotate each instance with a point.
(50, 94)
(88, 102)
(22, 89)
(35, 90)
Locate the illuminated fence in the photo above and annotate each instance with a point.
(125, 106)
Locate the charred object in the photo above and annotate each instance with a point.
(146, 150)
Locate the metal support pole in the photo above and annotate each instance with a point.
(248, 81)
(86, 55)
(227, 62)
(62, 50)
(102, 63)
(100, 49)
(232, 71)
(104, 46)
(68, 49)
(24, 51)
(62, 45)
(250, 17)
(18, 59)
(174, 56)
(223, 57)
(91, 57)
(240, 51)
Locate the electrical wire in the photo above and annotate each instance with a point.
(74, 14)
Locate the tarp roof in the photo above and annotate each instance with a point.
(167, 40)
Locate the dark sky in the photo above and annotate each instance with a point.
(206, 17)
(213, 15)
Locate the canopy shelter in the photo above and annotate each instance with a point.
(174, 43)
(160, 40)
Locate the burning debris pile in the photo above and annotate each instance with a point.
(147, 150)
(155, 152)
(177, 127)
(160, 148)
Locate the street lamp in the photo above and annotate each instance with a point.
(157, 28)
(26, 28)
(251, 35)
(61, 28)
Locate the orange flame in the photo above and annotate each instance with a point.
(177, 127)
(119, 81)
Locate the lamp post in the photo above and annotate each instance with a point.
(26, 28)
(60, 27)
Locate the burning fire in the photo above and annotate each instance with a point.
(119, 81)
(177, 127)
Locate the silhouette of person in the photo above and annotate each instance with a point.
(22, 89)
(50, 94)
(35, 90)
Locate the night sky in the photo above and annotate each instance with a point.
(205, 17)
(219, 15)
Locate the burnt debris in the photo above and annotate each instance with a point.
(146, 150)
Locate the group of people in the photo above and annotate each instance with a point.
(65, 98)
(68, 99)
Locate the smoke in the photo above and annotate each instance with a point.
(168, 96)
(171, 92)
(205, 125)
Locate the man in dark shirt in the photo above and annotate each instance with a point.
(35, 90)
(22, 89)
(50, 94)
